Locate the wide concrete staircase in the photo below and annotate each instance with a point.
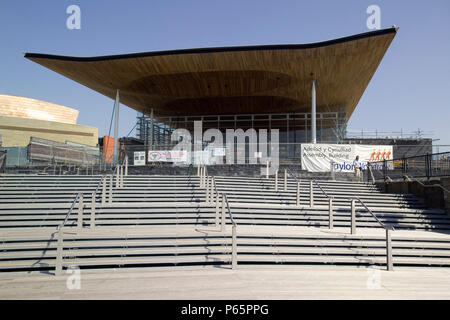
(36, 201)
(162, 221)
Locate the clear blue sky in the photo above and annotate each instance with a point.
(410, 90)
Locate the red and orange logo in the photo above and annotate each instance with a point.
(379, 156)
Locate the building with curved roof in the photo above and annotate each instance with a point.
(268, 86)
(232, 80)
(22, 107)
(22, 118)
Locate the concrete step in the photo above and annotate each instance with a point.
(90, 252)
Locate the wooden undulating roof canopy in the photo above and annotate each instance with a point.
(233, 80)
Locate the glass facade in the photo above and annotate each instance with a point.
(294, 128)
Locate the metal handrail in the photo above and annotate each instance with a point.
(69, 212)
(190, 178)
(215, 186)
(117, 166)
(424, 185)
(412, 157)
(388, 229)
(226, 200)
(99, 183)
(373, 214)
(229, 210)
(314, 181)
(369, 168)
(389, 262)
(320, 187)
(115, 169)
(73, 205)
(292, 174)
(98, 186)
(234, 260)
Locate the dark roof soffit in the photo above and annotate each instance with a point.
(216, 49)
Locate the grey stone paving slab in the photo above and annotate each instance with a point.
(243, 283)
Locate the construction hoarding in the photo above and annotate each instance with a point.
(319, 157)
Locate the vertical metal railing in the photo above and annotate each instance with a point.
(234, 261)
(94, 199)
(213, 196)
(311, 197)
(116, 181)
(59, 229)
(406, 177)
(80, 221)
(330, 203)
(388, 229)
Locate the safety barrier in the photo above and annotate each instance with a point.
(389, 260)
(212, 195)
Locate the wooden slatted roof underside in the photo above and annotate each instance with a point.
(233, 80)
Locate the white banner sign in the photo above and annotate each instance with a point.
(167, 156)
(318, 157)
(139, 158)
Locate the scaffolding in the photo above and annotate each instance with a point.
(161, 132)
(294, 128)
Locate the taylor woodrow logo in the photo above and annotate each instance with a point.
(380, 155)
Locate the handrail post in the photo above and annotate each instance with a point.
(59, 253)
(298, 193)
(333, 176)
(210, 190)
(311, 194)
(118, 177)
(285, 180)
(267, 169)
(93, 210)
(211, 195)
(80, 213)
(217, 210)
(121, 176)
(389, 262)
(222, 225)
(122, 171)
(201, 177)
(403, 166)
(207, 190)
(428, 166)
(234, 248)
(204, 177)
(352, 219)
(119, 169)
(103, 190)
(110, 188)
(330, 213)
(126, 166)
(276, 180)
